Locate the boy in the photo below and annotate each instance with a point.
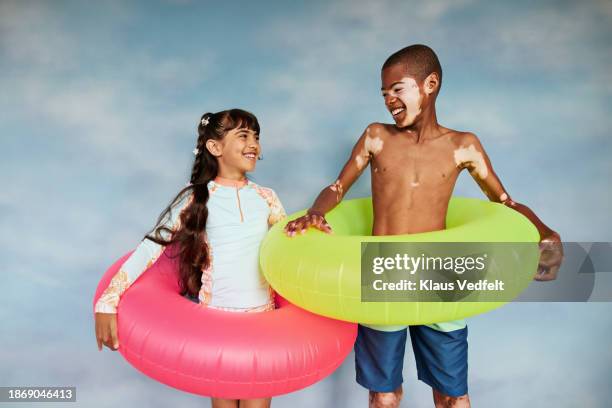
(414, 165)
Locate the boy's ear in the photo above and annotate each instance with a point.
(431, 83)
(213, 147)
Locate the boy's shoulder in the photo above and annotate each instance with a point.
(461, 138)
(377, 129)
(457, 137)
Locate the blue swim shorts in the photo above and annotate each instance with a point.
(441, 358)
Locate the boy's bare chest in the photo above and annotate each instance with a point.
(431, 163)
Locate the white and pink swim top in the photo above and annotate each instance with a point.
(239, 216)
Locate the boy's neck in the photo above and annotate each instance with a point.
(426, 126)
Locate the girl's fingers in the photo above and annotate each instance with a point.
(105, 340)
(113, 332)
(98, 339)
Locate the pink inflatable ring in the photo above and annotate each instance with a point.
(222, 354)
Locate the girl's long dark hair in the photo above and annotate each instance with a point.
(188, 241)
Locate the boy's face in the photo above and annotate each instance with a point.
(403, 96)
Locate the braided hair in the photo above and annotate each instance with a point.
(188, 242)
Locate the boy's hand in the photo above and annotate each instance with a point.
(551, 256)
(304, 222)
(106, 331)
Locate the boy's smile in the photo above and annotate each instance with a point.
(402, 95)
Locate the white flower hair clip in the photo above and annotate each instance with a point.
(205, 121)
(196, 151)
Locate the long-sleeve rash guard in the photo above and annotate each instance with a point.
(238, 219)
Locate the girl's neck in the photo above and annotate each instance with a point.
(237, 181)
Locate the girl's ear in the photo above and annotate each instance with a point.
(213, 147)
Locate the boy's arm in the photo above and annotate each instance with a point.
(331, 195)
(471, 155)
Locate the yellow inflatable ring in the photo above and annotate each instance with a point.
(322, 273)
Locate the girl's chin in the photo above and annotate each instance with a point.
(249, 167)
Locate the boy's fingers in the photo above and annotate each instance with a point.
(322, 224)
(290, 228)
(549, 274)
(545, 274)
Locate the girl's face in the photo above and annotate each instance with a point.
(237, 152)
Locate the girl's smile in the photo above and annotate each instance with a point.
(237, 153)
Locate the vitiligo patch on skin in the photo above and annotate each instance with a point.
(361, 161)
(338, 189)
(415, 180)
(503, 197)
(410, 97)
(473, 158)
(373, 145)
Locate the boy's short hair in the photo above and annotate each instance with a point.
(419, 61)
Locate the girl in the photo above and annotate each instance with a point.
(216, 224)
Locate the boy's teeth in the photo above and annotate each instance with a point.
(396, 111)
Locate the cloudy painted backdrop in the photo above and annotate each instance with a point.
(98, 107)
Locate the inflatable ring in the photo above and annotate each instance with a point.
(219, 353)
(322, 273)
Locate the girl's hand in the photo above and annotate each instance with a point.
(106, 330)
(305, 221)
